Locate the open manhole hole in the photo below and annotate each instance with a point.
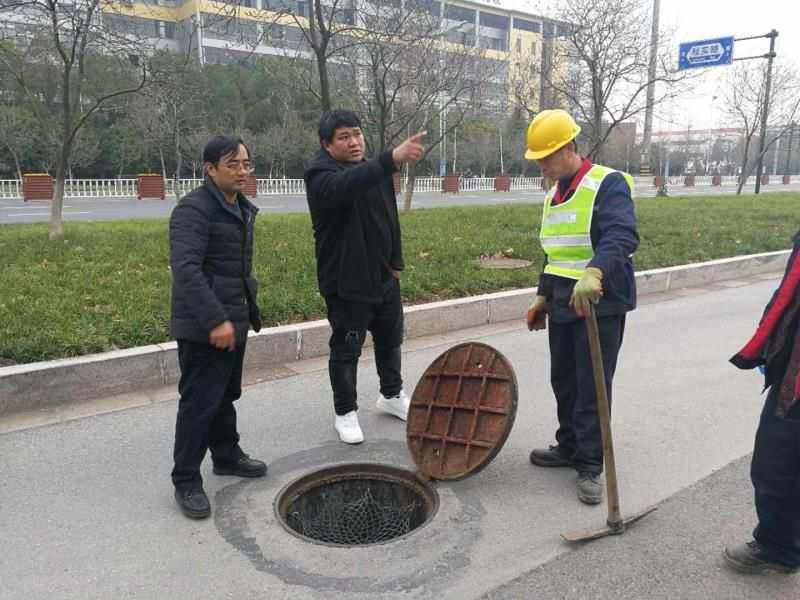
(462, 411)
(355, 505)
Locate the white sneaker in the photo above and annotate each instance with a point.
(396, 405)
(348, 428)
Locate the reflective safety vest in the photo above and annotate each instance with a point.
(565, 227)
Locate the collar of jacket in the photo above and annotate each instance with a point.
(780, 306)
(246, 207)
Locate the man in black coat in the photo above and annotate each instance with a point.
(213, 306)
(359, 260)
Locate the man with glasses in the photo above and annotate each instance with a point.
(213, 306)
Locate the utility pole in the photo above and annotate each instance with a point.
(789, 150)
(767, 86)
(644, 166)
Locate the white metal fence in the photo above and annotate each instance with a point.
(281, 187)
(11, 189)
(184, 186)
(526, 183)
(100, 188)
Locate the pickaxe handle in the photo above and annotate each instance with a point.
(604, 416)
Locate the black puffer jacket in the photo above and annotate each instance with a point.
(356, 227)
(211, 255)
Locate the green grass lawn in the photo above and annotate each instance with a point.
(107, 284)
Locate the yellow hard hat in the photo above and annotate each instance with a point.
(549, 131)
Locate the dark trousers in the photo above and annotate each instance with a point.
(573, 384)
(350, 321)
(775, 472)
(210, 381)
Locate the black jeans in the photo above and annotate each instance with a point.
(350, 321)
(211, 380)
(775, 472)
(572, 379)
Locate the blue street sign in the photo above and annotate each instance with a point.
(705, 53)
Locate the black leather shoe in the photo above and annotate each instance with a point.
(193, 502)
(553, 456)
(244, 467)
(750, 558)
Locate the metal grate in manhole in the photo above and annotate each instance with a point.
(355, 505)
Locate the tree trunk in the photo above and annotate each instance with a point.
(178, 167)
(56, 206)
(743, 173)
(324, 83)
(412, 178)
(163, 165)
(18, 166)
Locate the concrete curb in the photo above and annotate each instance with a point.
(47, 384)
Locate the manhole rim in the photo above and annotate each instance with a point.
(345, 471)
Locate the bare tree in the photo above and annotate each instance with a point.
(87, 63)
(409, 78)
(744, 100)
(328, 29)
(600, 57)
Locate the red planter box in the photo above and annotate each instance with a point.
(37, 186)
(716, 180)
(688, 181)
(658, 181)
(502, 183)
(450, 184)
(151, 186)
(787, 179)
(764, 179)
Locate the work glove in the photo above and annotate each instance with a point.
(536, 315)
(587, 291)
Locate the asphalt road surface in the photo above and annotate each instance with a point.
(102, 209)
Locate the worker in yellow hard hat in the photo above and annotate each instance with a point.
(588, 234)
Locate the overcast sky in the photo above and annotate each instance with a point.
(690, 20)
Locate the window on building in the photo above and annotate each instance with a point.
(169, 30)
(458, 13)
(492, 43)
(430, 6)
(494, 21)
(345, 15)
(526, 25)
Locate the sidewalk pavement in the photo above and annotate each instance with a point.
(87, 508)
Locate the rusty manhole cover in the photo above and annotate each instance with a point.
(462, 411)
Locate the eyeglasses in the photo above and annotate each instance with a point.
(236, 165)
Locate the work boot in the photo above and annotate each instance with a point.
(751, 559)
(396, 405)
(193, 502)
(554, 456)
(348, 428)
(243, 467)
(590, 490)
